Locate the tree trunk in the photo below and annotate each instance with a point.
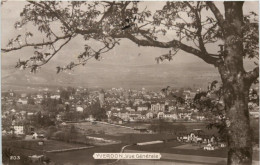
(236, 88)
(238, 125)
(236, 92)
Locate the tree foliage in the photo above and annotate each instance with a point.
(191, 23)
(210, 103)
(96, 111)
(42, 120)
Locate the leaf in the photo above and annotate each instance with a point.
(28, 34)
(58, 69)
(213, 84)
(253, 13)
(47, 54)
(34, 68)
(97, 56)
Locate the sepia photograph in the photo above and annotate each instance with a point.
(129, 82)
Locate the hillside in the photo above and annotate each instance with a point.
(107, 76)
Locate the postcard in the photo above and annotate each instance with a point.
(130, 82)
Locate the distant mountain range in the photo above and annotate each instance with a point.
(100, 75)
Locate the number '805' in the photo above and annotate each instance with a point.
(14, 157)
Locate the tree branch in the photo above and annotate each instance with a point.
(36, 44)
(83, 60)
(53, 12)
(216, 13)
(199, 26)
(209, 29)
(107, 13)
(147, 40)
(56, 51)
(171, 44)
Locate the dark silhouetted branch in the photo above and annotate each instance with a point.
(216, 13)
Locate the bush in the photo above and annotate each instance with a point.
(60, 135)
(51, 130)
(91, 131)
(67, 134)
(101, 132)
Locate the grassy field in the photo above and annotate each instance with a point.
(126, 136)
(32, 146)
(189, 126)
(170, 148)
(129, 136)
(136, 138)
(98, 127)
(85, 156)
(117, 130)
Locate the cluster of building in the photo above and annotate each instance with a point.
(121, 105)
(142, 105)
(207, 142)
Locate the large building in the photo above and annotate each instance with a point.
(157, 107)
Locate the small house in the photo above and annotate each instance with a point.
(18, 129)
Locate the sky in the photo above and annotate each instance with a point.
(126, 54)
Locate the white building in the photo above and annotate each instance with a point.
(157, 107)
(13, 110)
(142, 108)
(200, 117)
(30, 114)
(55, 97)
(79, 109)
(39, 96)
(18, 129)
(22, 101)
(172, 108)
(149, 115)
(160, 115)
(254, 114)
(168, 115)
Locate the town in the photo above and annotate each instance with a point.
(116, 105)
(91, 117)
